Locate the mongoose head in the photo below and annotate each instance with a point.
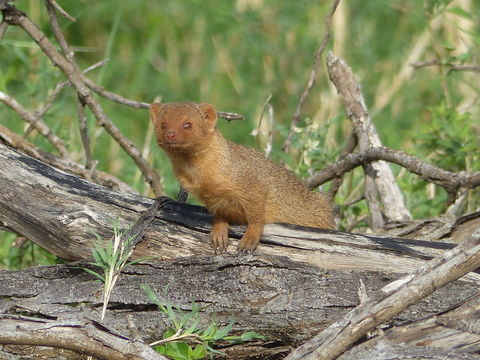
(182, 126)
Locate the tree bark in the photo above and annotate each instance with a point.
(298, 282)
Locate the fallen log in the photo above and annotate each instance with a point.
(298, 282)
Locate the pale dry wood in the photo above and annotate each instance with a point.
(83, 336)
(379, 173)
(451, 335)
(391, 300)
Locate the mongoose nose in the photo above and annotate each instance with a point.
(170, 135)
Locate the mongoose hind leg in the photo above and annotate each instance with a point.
(251, 238)
(219, 235)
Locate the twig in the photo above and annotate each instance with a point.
(230, 116)
(313, 74)
(450, 181)
(61, 11)
(3, 29)
(69, 54)
(36, 122)
(451, 67)
(391, 300)
(17, 142)
(82, 124)
(348, 149)
(421, 64)
(471, 67)
(16, 17)
(137, 230)
(59, 87)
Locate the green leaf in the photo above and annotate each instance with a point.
(94, 273)
(460, 12)
(220, 333)
(194, 327)
(199, 352)
(210, 331)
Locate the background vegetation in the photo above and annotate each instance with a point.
(234, 54)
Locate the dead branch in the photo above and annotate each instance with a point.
(391, 300)
(17, 142)
(313, 74)
(15, 17)
(378, 176)
(83, 336)
(36, 122)
(453, 183)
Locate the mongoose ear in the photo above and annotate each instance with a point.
(154, 112)
(210, 115)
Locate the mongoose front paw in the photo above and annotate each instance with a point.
(247, 244)
(219, 239)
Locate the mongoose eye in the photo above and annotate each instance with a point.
(187, 125)
(164, 125)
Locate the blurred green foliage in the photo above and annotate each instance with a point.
(235, 53)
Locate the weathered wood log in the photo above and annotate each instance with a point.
(451, 335)
(59, 211)
(285, 301)
(299, 281)
(391, 300)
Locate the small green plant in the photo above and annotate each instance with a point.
(186, 339)
(111, 256)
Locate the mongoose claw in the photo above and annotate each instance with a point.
(219, 241)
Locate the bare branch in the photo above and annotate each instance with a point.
(82, 336)
(472, 68)
(450, 181)
(336, 182)
(35, 122)
(379, 172)
(20, 144)
(451, 67)
(3, 29)
(16, 17)
(313, 74)
(82, 123)
(61, 11)
(391, 300)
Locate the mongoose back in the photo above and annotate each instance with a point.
(237, 184)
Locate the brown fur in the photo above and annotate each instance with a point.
(237, 184)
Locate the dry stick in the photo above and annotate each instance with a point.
(142, 105)
(70, 55)
(82, 123)
(379, 176)
(56, 92)
(36, 122)
(17, 142)
(391, 300)
(61, 11)
(84, 336)
(3, 29)
(15, 17)
(348, 149)
(313, 74)
(450, 181)
(42, 109)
